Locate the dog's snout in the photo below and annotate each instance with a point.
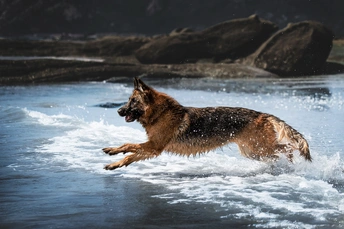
(122, 111)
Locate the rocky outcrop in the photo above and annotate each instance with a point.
(299, 49)
(238, 38)
(233, 49)
(115, 45)
(46, 70)
(228, 40)
(109, 46)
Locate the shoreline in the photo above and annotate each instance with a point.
(48, 70)
(23, 72)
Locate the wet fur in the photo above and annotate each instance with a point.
(189, 131)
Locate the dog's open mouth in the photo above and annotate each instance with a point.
(129, 118)
(130, 114)
(133, 115)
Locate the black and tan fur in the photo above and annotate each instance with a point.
(189, 131)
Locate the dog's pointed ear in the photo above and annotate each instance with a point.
(136, 83)
(140, 85)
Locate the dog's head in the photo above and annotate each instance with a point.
(138, 102)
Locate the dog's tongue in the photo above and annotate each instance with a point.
(128, 118)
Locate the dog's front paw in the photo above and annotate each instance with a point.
(112, 166)
(111, 151)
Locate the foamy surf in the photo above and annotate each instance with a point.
(239, 186)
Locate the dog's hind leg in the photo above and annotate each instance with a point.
(292, 138)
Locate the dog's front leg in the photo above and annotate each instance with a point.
(123, 149)
(128, 160)
(140, 152)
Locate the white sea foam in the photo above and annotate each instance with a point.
(50, 120)
(81, 146)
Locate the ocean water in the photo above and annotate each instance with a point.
(51, 163)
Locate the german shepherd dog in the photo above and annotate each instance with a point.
(189, 131)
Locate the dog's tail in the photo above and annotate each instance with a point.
(287, 135)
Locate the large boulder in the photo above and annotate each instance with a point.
(228, 40)
(299, 49)
(176, 49)
(238, 38)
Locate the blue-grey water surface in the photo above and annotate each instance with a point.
(51, 163)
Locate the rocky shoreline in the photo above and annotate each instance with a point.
(241, 48)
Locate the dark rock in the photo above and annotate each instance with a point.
(179, 31)
(332, 68)
(228, 40)
(47, 71)
(177, 49)
(110, 105)
(299, 49)
(114, 45)
(105, 47)
(14, 47)
(238, 38)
